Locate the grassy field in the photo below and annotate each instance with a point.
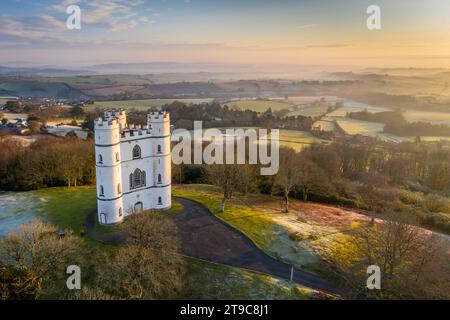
(248, 215)
(68, 207)
(226, 283)
(313, 111)
(325, 125)
(355, 107)
(294, 139)
(258, 105)
(143, 105)
(297, 140)
(425, 116)
(353, 126)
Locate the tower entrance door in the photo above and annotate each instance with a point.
(138, 207)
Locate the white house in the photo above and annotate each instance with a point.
(133, 165)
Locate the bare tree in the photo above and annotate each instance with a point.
(149, 266)
(153, 230)
(288, 175)
(414, 263)
(38, 257)
(227, 177)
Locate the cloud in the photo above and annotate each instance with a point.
(43, 27)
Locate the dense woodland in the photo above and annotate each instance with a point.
(48, 162)
(214, 115)
(380, 178)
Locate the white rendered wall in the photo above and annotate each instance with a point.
(110, 173)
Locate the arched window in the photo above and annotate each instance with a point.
(102, 191)
(100, 158)
(159, 178)
(117, 157)
(159, 201)
(159, 148)
(120, 212)
(119, 188)
(136, 152)
(137, 179)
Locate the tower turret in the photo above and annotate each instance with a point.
(108, 168)
(159, 124)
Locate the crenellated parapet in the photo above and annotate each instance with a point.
(160, 116)
(106, 123)
(131, 134)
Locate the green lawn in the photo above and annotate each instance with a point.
(68, 207)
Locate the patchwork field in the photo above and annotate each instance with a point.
(350, 106)
(425, 116)
(353, 126)
(143, 105)
(258, 105)
(294, 139)
(313, 111)
(325, 125)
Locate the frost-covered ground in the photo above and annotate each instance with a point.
(18, 208)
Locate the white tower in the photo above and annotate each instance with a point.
(108, 170)
(133, 165)
(159, 125)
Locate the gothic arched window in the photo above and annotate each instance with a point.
(159, 201)
(136, 152)
(159, 178)
(159, 148)
(100, 158)
(119, 188)
(102, 191)
(137, 179)
(117, 157)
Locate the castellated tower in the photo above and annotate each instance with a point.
(133, 165)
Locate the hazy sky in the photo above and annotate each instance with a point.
(326, 32)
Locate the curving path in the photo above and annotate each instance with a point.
(206, 237)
